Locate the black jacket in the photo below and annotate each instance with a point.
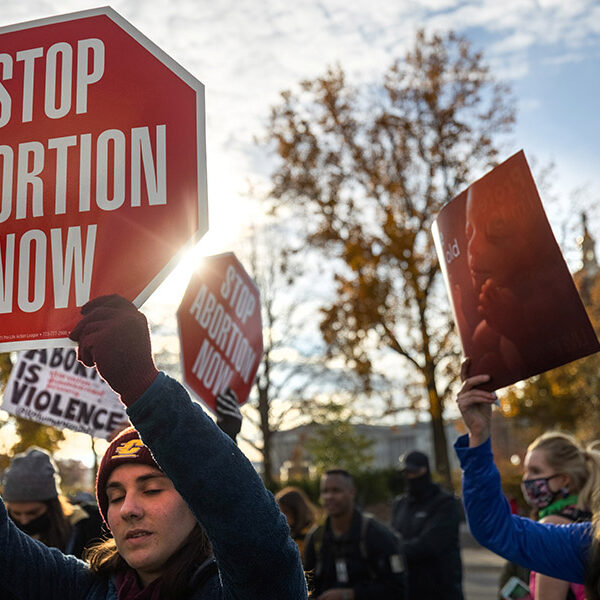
(430, 543)
(87, 529)
(370, 555)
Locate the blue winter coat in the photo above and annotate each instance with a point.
(256, 557)
(559, 551)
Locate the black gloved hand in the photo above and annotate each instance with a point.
(113, 335)
(229, 417)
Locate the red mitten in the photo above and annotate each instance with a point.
(113, 335)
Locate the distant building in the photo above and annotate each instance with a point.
(291, 458)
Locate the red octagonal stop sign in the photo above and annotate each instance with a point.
(102, 170)
(220, 330)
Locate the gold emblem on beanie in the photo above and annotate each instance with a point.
(127, 449)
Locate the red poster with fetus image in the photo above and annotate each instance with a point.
(515, 305)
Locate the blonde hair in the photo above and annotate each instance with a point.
(566, 455)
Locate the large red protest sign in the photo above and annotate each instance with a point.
(220, 329)
(515, 305)
(102, 170)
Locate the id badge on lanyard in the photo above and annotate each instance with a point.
(341, 571)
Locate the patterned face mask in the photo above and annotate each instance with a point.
(537, 492)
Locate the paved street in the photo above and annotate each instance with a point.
(481, 570)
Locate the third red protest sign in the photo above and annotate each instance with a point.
(220, 329)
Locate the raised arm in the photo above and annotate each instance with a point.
(29, 570)
(557, 551)
(255, 553)
(256, 556)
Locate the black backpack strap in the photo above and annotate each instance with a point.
(315, 535)
(365, 520)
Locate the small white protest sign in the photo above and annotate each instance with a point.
(51, 387)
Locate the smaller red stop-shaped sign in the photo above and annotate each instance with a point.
(220, 330)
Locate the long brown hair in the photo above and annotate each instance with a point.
(304, 512)
(592, 579)
(104, 559)
(58, 533)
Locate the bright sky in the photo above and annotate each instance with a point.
(246, 52)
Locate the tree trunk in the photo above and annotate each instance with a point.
(436, 409)
(440, 445)
(263, 409)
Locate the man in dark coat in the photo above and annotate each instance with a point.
(352, 556)
(428, 520)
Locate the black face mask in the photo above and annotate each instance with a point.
(35, 526)
(417, 486)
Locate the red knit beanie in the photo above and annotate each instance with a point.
(126, 448)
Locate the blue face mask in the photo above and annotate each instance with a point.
(537, 491)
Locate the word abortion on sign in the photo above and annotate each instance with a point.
(102, 170)
(220, 330)
(53, 388)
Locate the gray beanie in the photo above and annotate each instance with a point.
(31, 477)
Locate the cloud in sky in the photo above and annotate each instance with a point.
(247, 52)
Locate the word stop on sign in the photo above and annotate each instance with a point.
(239, 295)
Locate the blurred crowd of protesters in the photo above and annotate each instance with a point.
(347, 554)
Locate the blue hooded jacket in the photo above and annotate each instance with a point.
(560, 551)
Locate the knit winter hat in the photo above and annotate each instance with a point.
(126, 448)
(31, 477)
